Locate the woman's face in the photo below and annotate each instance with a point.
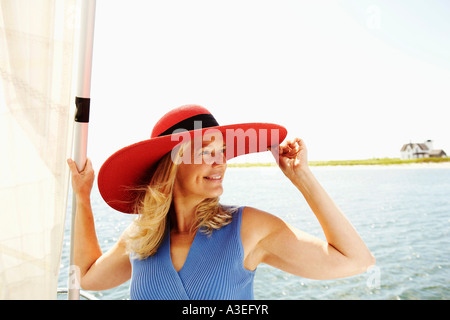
(201, 175)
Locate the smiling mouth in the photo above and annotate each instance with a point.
(214, 178)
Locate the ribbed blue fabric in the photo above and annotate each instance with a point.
(214, 269)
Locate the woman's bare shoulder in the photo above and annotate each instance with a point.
(258, 222)
(256, 226)
(254, 215)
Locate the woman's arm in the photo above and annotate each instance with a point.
(343, 254)
(98, 271)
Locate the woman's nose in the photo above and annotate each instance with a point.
(219, 159)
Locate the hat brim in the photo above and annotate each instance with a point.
(133, 166)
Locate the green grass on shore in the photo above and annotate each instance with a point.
(367, 162)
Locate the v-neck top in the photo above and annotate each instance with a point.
(213, 269)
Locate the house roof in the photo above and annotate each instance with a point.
(405, 146)
(422, 146)
(437, 152)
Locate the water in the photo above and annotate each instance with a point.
(403, 215)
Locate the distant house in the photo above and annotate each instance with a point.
(439, 153)
(420, 150)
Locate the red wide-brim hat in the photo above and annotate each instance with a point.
(133, 166)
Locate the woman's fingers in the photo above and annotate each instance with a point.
(72, 166)
(290, 148)
(82, 181)
(74, 169)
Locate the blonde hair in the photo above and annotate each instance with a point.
(154, 203)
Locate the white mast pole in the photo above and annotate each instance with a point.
(82, 101)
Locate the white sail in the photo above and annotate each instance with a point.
(36, 58)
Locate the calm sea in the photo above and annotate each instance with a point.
(402, 213)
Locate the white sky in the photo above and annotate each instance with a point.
(355, 79)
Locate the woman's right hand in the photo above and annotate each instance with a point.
(98, 270)
(83, 181)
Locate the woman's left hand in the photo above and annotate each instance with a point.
(291, 156)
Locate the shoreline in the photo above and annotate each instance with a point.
(438, 163)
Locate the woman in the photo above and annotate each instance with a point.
(184, 244)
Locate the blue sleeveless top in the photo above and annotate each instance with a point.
(213, 270)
